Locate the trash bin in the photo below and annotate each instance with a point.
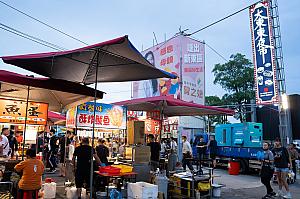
(233, 167)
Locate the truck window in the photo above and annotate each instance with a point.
(224, 136)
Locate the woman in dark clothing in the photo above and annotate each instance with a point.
(282, 162)
(102, 151)
(213, 147)
(267, 170)
(13, 143)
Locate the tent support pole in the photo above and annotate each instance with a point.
(93, 133)
(25, 124)
(161, 121)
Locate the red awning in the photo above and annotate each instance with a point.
(173, 107)
(55, 116)
(117, 60)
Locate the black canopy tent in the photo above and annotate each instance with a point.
(115, 60)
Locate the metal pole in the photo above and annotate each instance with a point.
(25, 124)
(253, 111)
(93, 133)
(161, 120)
(180, 80)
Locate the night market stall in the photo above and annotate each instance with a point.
(181, 183)
(116, 60)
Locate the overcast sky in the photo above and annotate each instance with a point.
(96, 21)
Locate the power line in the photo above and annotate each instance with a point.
(32, 37)
(224, 18)
(49, 26)
(215, 51)
(22, 35)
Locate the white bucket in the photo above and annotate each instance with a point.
(50, 190)
(71, 193)
(217, 190)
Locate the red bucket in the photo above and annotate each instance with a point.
(49, 180)
(233, 168)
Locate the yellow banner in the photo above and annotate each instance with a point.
(14, 112)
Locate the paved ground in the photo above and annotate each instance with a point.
(247, 187)
(236, 187)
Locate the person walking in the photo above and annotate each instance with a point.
(294, 156)
(102, 151)
(201, 146)
(13, 143)
(32, 171)
(155, 152)
(4, 143)
(54, 147)
(186, 154)
(267, 170)
(213, 148)
(282, 162)
(82, 164)
(64, 143)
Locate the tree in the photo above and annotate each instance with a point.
(237, 78)
(219, 119)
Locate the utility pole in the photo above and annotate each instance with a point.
(285, 129)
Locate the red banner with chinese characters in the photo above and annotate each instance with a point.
(14, 112)
(152, 126)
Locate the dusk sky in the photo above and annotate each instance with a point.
(94, 21)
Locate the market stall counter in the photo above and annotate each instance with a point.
(118, 175)
(8, 178)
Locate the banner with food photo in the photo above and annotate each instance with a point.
(106, 116)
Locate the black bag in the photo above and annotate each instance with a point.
(266, 171)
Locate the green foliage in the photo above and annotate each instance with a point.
(237, 78)
(215, 101)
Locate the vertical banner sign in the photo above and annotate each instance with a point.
(193, 77)
(71, 117)
(263, 54)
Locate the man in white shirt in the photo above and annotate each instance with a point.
(187, 154)
(4, 144)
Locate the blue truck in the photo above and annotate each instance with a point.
(240, 141)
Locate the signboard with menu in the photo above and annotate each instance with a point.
(14, 112)
(107, 116)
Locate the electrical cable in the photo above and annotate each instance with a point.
(215, 51)
(32, 37)
(28, 38)
(224, 18)
(49, 26)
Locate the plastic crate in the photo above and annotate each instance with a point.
(142, 190)
(109, 170)
(124, 168)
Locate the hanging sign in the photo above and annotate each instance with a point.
(263, 54)
(107, 116)
(71, 117)
(14, 112)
